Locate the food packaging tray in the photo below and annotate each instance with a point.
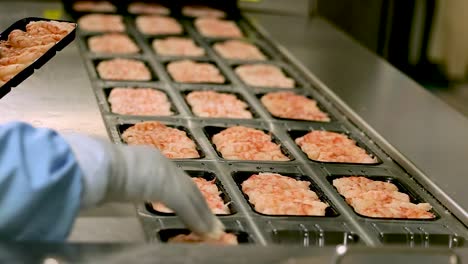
(341, 225)
(39, 62)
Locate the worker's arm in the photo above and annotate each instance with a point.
(40, 184)
(45, 178)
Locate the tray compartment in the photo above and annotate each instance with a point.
(210, 131)
(249, 108)
(294, 134)
(414, 198)
(39, 62)
(122, 127)
(240, 176)
(148, 66)
(108, 90)
(207, 176)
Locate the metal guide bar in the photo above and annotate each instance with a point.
(346, 227)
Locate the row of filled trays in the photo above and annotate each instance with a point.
(189, 71)
(153, 25)
(247, 141)
(168, 47)
(295, 195)
(161, 7)
(211, 103)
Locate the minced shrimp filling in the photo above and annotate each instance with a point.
(225, 239)
(244, 143)
(264, 75)
(329, 146)
(139, 101)
(275, 194)
(210, 192)
(379, 199)
(215, 104)
(172, 142)
(293, 106)
(24, 47)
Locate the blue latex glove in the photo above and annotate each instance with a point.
(40, 184)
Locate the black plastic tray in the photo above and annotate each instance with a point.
(210, 131)
(38, 63)
(209, 176)
(122, 127)
(342, 225)
(414, 198)
(240, 176)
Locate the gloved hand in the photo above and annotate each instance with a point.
(116, 173)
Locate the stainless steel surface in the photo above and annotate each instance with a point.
(59, 96)
(424, 129)
(300, 7)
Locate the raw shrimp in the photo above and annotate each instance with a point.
(243, 143)
(389, 205)
(238, 50)
(158, 25)
(112, 43)
(25, 56)
(41, 28)
(188, 71)
(177, 46)
(148, 8)
(225, 239)
(332, 147)
(379, 199)
(275, 194)
(294, 106)
(202, 11)
(23, 48)
(20, 39)
(352, 186)
(211, 193)
(139, 101)
(102, 23)
(214, 104)
(94, 6)
(172, 142)
(123, 69)
(218, 28)
(7, 72)
(264, 75)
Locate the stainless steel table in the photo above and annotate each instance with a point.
(422, 128)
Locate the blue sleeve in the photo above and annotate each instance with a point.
(40, 184)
